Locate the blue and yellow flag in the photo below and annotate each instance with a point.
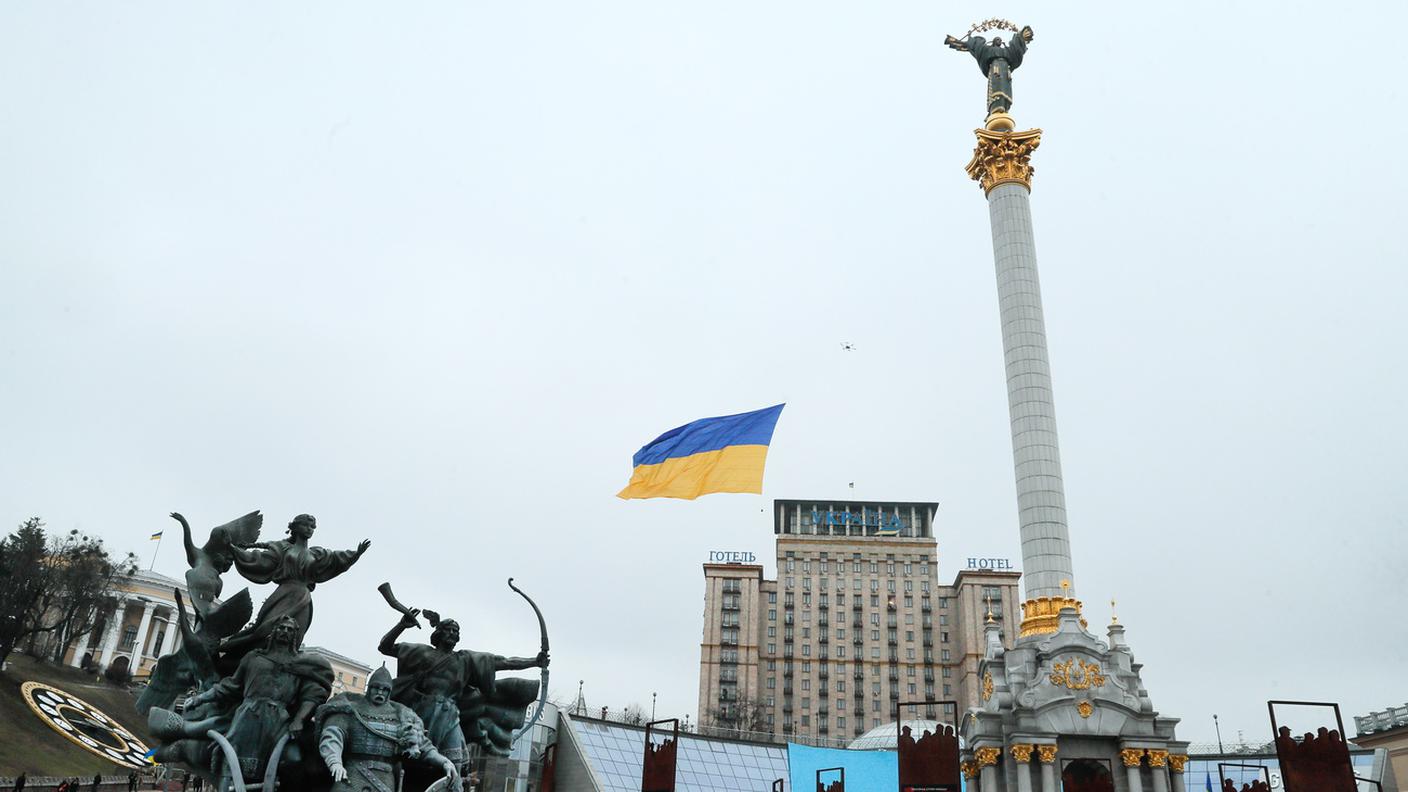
(723, 454)
(156, 536)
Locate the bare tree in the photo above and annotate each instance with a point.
(84, 579)
(52, 585)
(634, 714)
(744, 714)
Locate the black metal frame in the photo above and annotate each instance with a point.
(650, 731)
(1222, 778)
(778, 785)
(899, 725)
(1339, 724)
(900, 705)
(1276, 729)
(842, 771)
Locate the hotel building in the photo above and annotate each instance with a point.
(855, 623)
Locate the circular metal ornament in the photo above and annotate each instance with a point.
(84, 725)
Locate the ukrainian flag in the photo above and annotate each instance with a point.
(156, 536)
(724, 454)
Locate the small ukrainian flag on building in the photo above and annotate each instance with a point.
(724, 454)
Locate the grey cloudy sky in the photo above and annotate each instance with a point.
(434, 271)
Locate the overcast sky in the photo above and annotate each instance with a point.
(434, 271)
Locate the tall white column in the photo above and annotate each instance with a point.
(1132, 758)
(1002, 165)
(1041, 499)
(1022, 755)
(80, 646)
(168, 643)
(987, 779)
(1158, 766)
(110, 635)
(1047, 755)
(987, 773)
(141, 643)
(1176, 774)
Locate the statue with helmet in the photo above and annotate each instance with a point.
(363, 740)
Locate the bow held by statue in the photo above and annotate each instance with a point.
(542, 663)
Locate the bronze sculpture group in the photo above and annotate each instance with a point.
(260, 711)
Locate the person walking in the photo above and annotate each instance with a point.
(21, 781)
(97, 782)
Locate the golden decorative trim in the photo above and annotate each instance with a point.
(1022, 753)
(1131, 756)
(999, 120)
(1157, 757)
(1085, 708)
(987, 757)
(1176, 762)
(1040, 615)
(1046, 753)
(1077, 677)
(987, 686)
(1003, 157)
(970, 769)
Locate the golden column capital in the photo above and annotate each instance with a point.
(1022, 753)
(970, 769)
(987, 757)
(1003, 158)
(1131, 756)
(1047, 753)
(1176, 762)
(1041, 616)
(1157, 758)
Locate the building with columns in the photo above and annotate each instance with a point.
(138, 626)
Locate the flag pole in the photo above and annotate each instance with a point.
(152, 567)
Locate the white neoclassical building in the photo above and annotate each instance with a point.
(138, 626)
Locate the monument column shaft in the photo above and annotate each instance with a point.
(1178, 782)
(1041, 499)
